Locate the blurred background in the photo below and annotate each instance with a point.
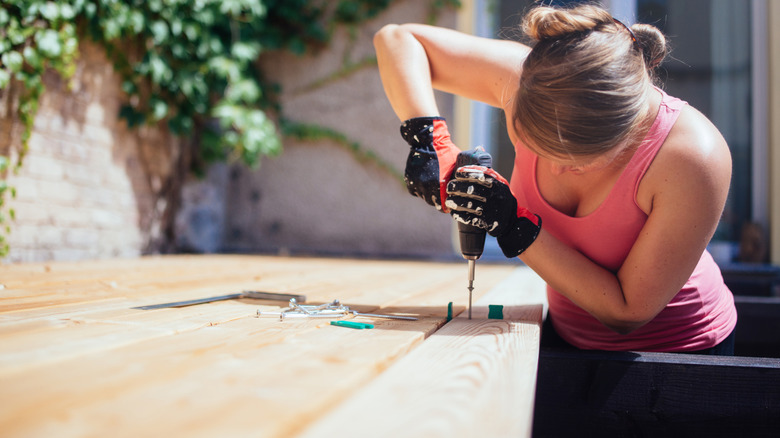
(261, 126)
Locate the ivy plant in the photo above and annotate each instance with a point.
(189, 63)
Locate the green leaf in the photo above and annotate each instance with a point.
(129, 87)
(133, 117)
(90, 9)
(207, 17)
(244, 90)
(215, 45)
(159, 108)
(111, 28)
(236, 7)
(245, 51)
(191, 31)
(70, 45)
(226, 113)
(181, 125)
(155, 5)
(194, 87)
(32, 57)
(137, 22)
(50, 11)
(160, 71)
(5, 79)
(176, 27)
(67, 12)
(232, 138)
(48, 43)
(159, 31)
(225, 67)
(13, 61)
(18, 34)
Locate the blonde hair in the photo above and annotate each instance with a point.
(584, 86)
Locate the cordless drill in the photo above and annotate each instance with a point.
(472, 239)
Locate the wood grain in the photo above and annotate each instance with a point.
(77, 360)
(471, 378)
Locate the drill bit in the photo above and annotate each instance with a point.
(472, 265)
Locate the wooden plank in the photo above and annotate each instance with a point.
(30, 345)
(187, 277)
(98, 367)
(55, 285)
(470, 378)
(25, 336)
(609, 394)
(232, 378)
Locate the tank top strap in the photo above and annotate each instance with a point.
(668, 112)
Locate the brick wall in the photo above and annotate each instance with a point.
(87, 185)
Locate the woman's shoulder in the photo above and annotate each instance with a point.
(693, 159)
(695, 141)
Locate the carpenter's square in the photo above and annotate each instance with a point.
(245, 294)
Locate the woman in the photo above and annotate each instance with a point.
(617, 187)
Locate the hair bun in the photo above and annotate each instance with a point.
(544, 22)
(652, 42)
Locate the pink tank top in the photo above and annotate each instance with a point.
(700, 316)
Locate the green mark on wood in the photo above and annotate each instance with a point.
(495, 311)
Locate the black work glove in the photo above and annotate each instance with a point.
(479, 196)
(431, 159)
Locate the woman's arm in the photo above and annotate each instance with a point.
(415, 58)
(685, 190)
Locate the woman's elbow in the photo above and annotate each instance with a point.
(385, 34)
(623, 327)
(624, 324)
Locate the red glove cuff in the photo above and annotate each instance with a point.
(447, 154)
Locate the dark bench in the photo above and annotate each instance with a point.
(623, 394)
(752, 279)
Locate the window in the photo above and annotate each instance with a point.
(711, 66)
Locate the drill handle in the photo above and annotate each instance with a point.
(472, 239)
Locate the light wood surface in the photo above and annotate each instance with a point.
(77, 360)
(470, 378)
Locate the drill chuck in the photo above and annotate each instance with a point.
(472, 241)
